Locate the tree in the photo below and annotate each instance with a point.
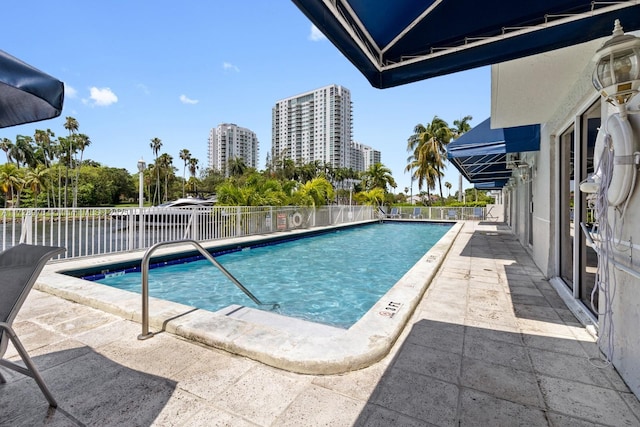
(10, 179)
(373, 197)
(72, 126)
(5, 145)
(165, 165)
(82, 141)
(193, 170)
(422, 170)
(448, 185)
(47, 149)
(185, 155)
(428, 147)
(236, 167)
(23, 151)
(156, 145)
(378, 176)
(461, 126)
(36, 180)
(315, 192)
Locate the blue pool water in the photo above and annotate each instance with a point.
(332, 278)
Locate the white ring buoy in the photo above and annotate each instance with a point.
(621, 134)
(296, 219)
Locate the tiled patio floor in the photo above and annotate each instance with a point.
(491, 344)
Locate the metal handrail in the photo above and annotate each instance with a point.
(144, 267)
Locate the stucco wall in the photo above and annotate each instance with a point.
(625, 301)
(624, 288)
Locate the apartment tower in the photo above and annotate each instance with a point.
(229, 141)
(312, 126)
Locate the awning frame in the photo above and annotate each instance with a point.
(487, 155)
(338, 20)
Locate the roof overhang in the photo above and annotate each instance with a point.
(399, 42)
(481, 154)
(530, 90)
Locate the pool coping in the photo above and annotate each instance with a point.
(290, 344)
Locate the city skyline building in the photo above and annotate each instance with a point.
(229, 141)
(363, 156)
(314, 126)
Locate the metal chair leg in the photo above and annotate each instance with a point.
(31, 370)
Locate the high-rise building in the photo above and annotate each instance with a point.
(363, 156)
(228, 142)
(312, 126)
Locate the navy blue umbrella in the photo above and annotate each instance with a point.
(27, 94)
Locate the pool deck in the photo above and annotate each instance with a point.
(491, 342)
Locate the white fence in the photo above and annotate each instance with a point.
(438, 213)
(93, 231)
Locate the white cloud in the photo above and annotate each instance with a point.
(315, 34)
(230, 66)
(69, 92)
(102, 97)
(185, 100)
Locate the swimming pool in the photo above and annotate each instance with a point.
(280, 341)
(332, 278)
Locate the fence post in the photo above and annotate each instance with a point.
(132, 227)
(26, 236)
(238, 219)
(195, 225)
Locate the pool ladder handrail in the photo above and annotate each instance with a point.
(144, 267)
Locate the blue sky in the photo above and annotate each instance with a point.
(135, 70)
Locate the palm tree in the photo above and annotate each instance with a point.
(36, 180)
(428, 147)
(10, 179)
(422, 170)
(185, 155)
(379, 176)
(448, 185)
(461, 126)
(72, 126)
(5, 145)
(165, 164)
(373, 197)
(82, 141)
(314, 193)
(236, 166)
(193, 169)
(48, 147)
(23, 151)
(156, 145)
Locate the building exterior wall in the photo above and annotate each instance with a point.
(619, 312)
(624, 288)
(229, 141)
(315, 125)
(363, 156)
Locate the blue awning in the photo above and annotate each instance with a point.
(481, 154)
(490, 185)
(403, 41)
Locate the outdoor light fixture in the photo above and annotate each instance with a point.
(141, 166)
(617, 72)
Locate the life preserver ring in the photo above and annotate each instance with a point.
(296, 219)
(617, 136)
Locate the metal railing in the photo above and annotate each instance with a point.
(94, 231)
(437, 213)
(144, 267)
